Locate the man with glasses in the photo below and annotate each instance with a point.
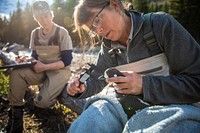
(163, 70)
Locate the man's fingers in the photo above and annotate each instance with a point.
(117, 79)
(123, 91)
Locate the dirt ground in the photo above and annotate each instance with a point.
(37, 120)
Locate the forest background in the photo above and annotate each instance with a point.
(18, 26)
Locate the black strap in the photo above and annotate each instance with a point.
(36, 42)
(54, 40)
(149, 37)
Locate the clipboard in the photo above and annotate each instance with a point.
(20, 65)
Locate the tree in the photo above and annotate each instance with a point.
(29, 23)
(3, 25)
(165, 7)
(186, 12)
(151, 7)
(58, 9)
(141, 5)
(68, 20)
(15, 26)
(70, 4)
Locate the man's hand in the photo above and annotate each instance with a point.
(130, 84)
(74, 87)
(21, 59)
(40, 67)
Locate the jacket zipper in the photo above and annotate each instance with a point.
(139, 28)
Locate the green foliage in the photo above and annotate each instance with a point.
(141, 5)
(18, 27)
(187, 13)
(152, 7)
(20, 24)
(165, 7)
(4, 84)
(64, 109)
(70, 4)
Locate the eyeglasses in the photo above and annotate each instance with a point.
(96, 22)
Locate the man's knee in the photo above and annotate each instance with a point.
(18, 71)
(42, 102)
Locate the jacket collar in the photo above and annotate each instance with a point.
(137, 21)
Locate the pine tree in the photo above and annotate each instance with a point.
(186, 12)
(165, 7)
(29, 23)
(58, 9)
(141, 5)
(15, 30)
(151, 7)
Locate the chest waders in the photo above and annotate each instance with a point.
(15, 114)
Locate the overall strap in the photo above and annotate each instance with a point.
(36, 42)
(149, 37)
(54, 40)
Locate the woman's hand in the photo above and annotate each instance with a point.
(130, 84)
(74, 87)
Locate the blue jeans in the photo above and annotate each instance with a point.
(165, 119)
(106, 115)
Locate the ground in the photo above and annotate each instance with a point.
(55, 120)
(37, 120)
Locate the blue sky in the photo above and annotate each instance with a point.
(8, 6)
